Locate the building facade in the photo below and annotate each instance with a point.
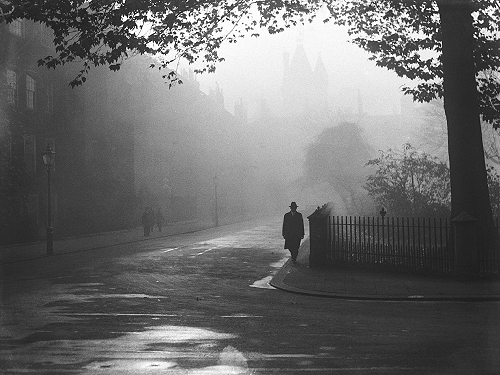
(28, 119)
(123, 141)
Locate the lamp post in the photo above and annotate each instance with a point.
(48, 157)
(216, 203)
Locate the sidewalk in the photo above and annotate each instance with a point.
(22, 252)
(368, 285)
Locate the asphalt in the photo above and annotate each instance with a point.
(343, 283)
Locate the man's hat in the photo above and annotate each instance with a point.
(293, 204)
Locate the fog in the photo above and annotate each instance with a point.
(357, 91)
(253, 70)
(268, 102)
(219, 148)
(232, 145)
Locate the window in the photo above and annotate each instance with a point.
(30, 92)
(30, 153)
(11, 87)
(16, 27)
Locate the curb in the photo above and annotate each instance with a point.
(96, 247)
(278, 282)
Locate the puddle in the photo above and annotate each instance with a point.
(131, 295)
(241, 316)
(228, 362)
(205, 251)
(263, 283)
(157, 350)
(152, 315)
(168, 249)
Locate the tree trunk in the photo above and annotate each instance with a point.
(469, 187)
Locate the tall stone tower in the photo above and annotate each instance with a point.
(304, 89)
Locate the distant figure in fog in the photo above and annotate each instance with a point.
(145, 222)
(293, 230)
(152, 220)
(159, 219)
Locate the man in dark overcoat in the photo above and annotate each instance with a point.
(293, 230)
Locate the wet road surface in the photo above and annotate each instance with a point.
(200, 304)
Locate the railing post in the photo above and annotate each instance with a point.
(318, 236)
(466, 259)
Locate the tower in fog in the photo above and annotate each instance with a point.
(304, 89)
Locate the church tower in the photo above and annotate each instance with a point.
(304, 89)
(320, 89)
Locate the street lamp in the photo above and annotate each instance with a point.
(216, 203)
(48, 157)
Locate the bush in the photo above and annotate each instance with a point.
(410, 183)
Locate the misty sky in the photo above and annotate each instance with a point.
(254, 69)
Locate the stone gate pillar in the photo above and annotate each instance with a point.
(318, 237)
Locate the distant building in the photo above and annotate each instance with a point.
(32, 102)
(217, 95)
(304, 90)
(122, 140)
(241, 111)
(277, 138)
(185, 143)
(93, 175)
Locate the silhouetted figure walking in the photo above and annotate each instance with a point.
(151, 218)
(159, 219)
(145, 222)
(293, 230)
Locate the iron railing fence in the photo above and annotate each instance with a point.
(405, 243)
(418, 244)
(489, 258)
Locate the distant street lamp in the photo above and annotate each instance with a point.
(48, 157)
(216, 205)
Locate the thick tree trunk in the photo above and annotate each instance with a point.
(469, 188)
